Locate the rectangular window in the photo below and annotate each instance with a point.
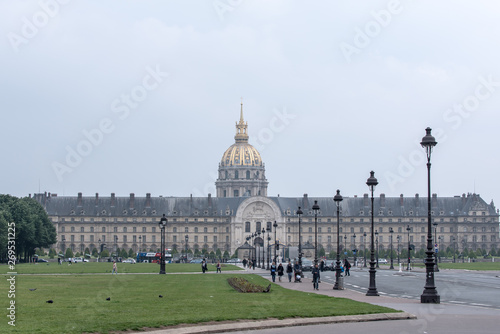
(115, 229)
(153, 238)
(91, 238)
(205, 239)
(144, 231)
(103, 238)
(82, 238)
(175, 238)
(195, 238)
(153, 229)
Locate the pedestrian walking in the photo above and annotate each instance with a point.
(273, 271)
(219, 269)
(316, 277)
(322, 266)
(115, 269)
(280, 271)
(204, 267)
(347, 266)
(289, 271)
(244, 263)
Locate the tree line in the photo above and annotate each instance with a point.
(33, 229)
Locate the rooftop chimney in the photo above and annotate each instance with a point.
(113, 199)
(79, 199)
(148, 200)
(132, 201)
(382, 200)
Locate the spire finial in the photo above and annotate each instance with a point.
(241, 128)
(241, 112)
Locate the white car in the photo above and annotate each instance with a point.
(382, 261)
(80, 259)
(128, 261)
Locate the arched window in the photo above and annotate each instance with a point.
(247, 227)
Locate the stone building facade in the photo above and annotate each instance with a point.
(243, 207)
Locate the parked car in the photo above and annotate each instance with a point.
(382, 261)
(196, 261)
(80, 259)
(330, 264)
(236, 260)
(41, 260)
(129, 261)
(307, 265)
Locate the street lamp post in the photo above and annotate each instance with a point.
(337, 199)
(376, 243)
(436, 268)
(258, 249)
(354, 250)
(399, 239)
(186, 238)
(263, 247)
(140, 244)
(315, 208)
(409, 248)
(163, 225)
(345, 245)
(268, 242)
(299, 213)
(454, 249)
(391, 231)
(430, 294)
(99, 253)
(364, 249)
(275, 225)
(372, 290)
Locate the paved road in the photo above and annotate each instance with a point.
(470, 303)
(454, 286)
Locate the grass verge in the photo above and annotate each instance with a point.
(106, 267)
(80, 303)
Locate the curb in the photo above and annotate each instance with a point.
(275, 323)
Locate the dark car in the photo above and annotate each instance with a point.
(307, 265)
(42, 260)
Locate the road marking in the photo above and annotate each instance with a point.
(456, 302)
(476, 304)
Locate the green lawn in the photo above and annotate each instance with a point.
(468, 266)
(106, 267)
(80, 303)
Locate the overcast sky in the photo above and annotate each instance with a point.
(143, 96)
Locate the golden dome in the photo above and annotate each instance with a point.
(241, 153)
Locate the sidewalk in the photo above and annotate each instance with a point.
(306, 286)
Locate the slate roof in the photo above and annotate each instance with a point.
(148, 206)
